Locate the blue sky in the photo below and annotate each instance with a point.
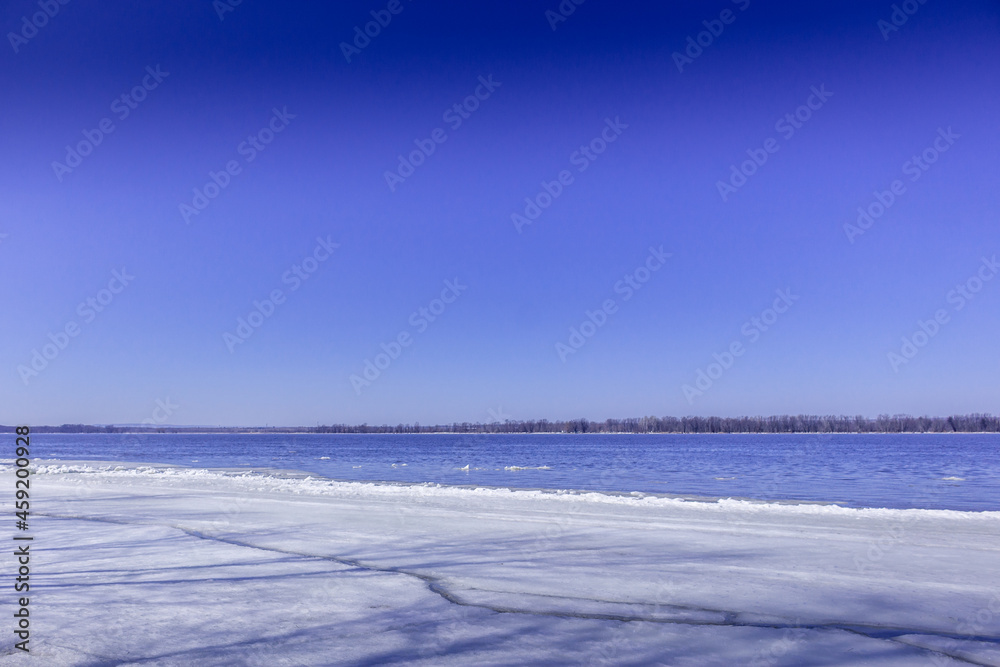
(329, 130)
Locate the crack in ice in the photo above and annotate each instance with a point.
(730, 618)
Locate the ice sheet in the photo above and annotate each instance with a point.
(154, 565)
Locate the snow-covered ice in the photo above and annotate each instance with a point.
(158, 565)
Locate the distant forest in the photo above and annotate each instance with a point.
(974, 423)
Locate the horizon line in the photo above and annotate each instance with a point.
(581, 425)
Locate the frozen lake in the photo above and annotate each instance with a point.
(169, 566)
(506, 550)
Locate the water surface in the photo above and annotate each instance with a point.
(929, 471)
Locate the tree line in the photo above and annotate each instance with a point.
(972, 423)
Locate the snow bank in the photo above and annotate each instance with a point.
(162, 565)
(303, 484)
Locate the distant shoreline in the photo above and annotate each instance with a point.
(297, 432)
(774, 425)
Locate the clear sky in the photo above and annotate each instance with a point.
(308, 118)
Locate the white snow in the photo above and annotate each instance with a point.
(160, 565)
